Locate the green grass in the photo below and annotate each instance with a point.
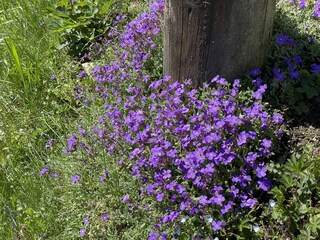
(33, 109)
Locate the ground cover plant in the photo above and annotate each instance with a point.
(112, 149)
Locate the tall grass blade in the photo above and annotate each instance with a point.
(14, 54)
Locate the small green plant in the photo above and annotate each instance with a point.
(295, 211)
(83, 22)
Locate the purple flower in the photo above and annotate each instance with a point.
(153, 236)
(217, 225)
(266, 143)
(249, 203)
(86, 220)
(75, 179)
(55, 175)
(297, 59)
(166, 174)
(261, 171)
(72, 142)
(226, 208)
(49, 144)
(104, 217)
(82, 74)
(257, 82)
(278, 75)
(294, 74)
(316, 9)
(83, 232)
(255, 72)
(125, 198)
(44, 171)
(315, 68)
(164, 236)
(277, 118)
(258, 94)
(264, 184)
(204, 200)
(234, 191)
(284, 40)
(217, 199)
(302, 4)
(160, 196)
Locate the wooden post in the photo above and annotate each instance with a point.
(205, 38)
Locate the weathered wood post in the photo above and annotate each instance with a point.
(204, 38)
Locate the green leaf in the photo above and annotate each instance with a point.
(311, 92)
(315, 50)
(314, 223)
(14, 54)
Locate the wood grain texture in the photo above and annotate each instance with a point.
(204, 38)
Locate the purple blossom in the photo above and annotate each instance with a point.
(257, 82)
(217, 225)
(261, 171)
(234, 191)
(302, 4)
(164, 236)
(55, 175)
(278, 75)
(166, 174)
(255, 72)
(153, 236)
(217, 199)
(226, 208)
(266, 143)
(86, 220)
(264, 184)
(282, 39)
(294, 74)
(82, 74)
(125, 198)
(72, 142)
(316, 9)
(315, 68)
(297, 59)
(83, 232)
(44, 171)
(204, 200)
(75, 179)
(258, 94)
(249, 203)
(104, 217)
(160, 196)
(49, 143)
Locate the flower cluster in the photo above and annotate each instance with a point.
(199, 154)
(303, 4)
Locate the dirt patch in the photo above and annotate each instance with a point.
(303, 135)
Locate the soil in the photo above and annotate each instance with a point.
(303, 135)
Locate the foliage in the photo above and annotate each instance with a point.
(83, 22)
(295, 212)
(296, 81)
